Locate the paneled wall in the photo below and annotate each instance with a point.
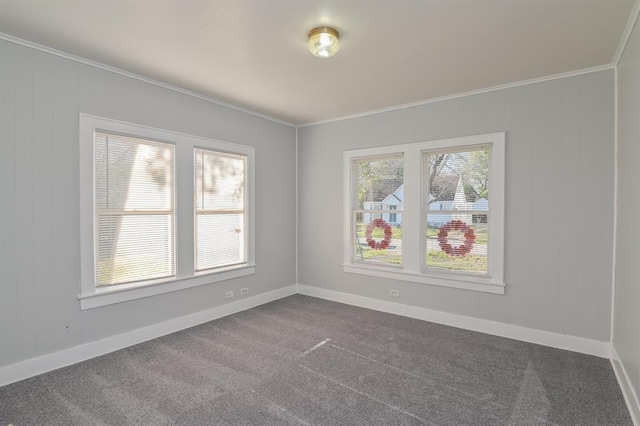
(626, 335)
(41, 96)
(559, 201)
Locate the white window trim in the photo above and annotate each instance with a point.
(413, 268)
(92, 297)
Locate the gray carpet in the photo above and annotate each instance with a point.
(307, 361)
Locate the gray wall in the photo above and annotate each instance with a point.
(559, 201)
(626, 337)
(40, 98)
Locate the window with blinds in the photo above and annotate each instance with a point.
(160, 211)
(220, 209)
(458, 209)
(377, 211)
(134, 198)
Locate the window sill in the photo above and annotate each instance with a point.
(118, 294)
(485, 285)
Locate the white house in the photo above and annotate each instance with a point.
(392, 201)
(458, 201)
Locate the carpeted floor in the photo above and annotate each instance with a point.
(307, 361)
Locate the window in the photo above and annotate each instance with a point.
(160, 211)
(220, 209)
(459, 177)
(375, 240)
(393, 218)
(443, 221)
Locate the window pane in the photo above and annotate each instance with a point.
(379, 182)
(457, 245)
(377, 241)
(133, 175)
(220, 180)
(220, 240)
(458, 210)
(378, 214)
(458, 180)
(133, 248)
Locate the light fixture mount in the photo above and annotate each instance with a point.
(323, 42)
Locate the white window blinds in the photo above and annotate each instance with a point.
(377, 213)
(458, 209)
(220, 209)
(134, 209)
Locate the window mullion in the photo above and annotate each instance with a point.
(411, 222)
(184, 210)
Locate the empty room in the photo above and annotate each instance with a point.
(319, 212)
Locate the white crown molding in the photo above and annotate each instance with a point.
(626, 386)
(99, 65)
(34, 366)
(465, 94)
(626, 35)
(546, 338)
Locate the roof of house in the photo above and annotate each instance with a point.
(381, 189)
(443, 187)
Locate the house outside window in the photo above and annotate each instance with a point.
(451, 203)
(136, 182)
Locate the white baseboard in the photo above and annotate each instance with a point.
(630, 395)
(32, 367)
(546, 338)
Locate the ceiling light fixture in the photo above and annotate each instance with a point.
(323, 42)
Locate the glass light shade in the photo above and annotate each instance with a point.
(323, 42)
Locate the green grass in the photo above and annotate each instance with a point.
(110, 272)
(386, 257)
(434, 258)
(470, 262)
(378, 233)
(481, 234)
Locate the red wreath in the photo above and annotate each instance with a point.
(388, 233)
(467, 231)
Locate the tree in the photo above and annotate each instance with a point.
(446, 169)
(378, 178)
(476, 173)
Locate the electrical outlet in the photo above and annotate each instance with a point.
(67, 327)
(244, 290)
(395, 293)
(229, 294)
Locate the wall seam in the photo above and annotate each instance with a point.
(297, 198)
(615, 202)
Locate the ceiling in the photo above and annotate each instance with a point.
(252, 53)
